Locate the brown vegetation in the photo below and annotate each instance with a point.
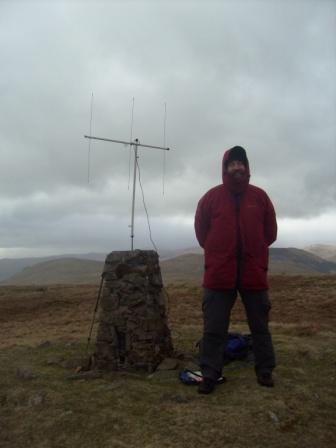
(30, 314)
(133, 411)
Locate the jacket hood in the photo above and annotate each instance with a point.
(235, 153)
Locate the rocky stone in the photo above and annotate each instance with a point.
(89, 375)
(168, 364)
(133, 331)
(37, 399)
(272, 415)
(26, 374)
(163, 375)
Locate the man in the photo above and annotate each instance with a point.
(235, 223)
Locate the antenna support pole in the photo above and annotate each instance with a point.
(133, 197)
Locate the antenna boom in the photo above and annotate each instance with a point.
(135, 143)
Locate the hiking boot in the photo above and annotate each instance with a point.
(206, 386)
(265, 379)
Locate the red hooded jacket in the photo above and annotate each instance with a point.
(235, 232)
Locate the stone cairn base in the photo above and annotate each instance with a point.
(133, 331)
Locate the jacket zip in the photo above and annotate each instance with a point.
(237, 199)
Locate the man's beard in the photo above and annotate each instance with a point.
(238, 175)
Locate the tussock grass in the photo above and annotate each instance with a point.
(136, 411)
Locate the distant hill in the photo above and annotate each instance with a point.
(12, 266)
(59, 271)
(326, 251)
(168, 254)
(288, 261)
(185, 267)
(298, 261)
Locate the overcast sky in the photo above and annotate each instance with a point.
(260, 74)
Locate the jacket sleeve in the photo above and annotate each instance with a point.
(271, 227)
(202, 220)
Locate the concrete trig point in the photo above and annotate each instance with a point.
(133, 329)
(135, 145)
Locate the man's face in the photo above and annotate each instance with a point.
(236, 168)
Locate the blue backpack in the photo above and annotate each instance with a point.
(238, 347)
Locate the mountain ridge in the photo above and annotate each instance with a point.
(326, 251)
(186, 266)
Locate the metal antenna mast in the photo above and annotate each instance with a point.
(135, 145)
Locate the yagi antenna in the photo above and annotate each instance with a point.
(164, 144)
(135, 145)
(89, 149)
(131, 138)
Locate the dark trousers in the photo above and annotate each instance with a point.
(217, 305)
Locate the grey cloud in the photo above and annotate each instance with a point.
(259, 74)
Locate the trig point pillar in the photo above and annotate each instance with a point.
(133, 331)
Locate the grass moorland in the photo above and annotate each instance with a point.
(41, 406)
